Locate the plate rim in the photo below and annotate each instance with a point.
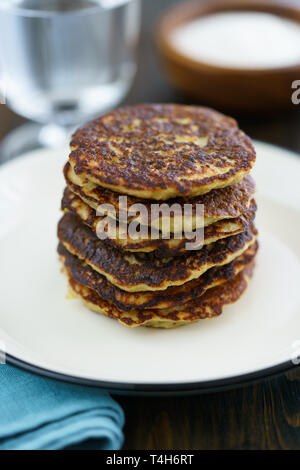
(204, 386)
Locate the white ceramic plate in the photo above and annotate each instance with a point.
(44, 332)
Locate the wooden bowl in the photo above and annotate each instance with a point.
(239, 90)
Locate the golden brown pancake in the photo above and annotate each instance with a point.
(209, 305)
(170, 297)
(160, 151)
(219, 204)
(136, 272)
(169, 247)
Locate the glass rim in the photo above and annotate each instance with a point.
(104, 5)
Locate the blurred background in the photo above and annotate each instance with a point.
(281, 127)
(124, 43)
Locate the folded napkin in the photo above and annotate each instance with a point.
(38, 413)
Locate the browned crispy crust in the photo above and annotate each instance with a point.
(222, 203)
(209, 305)
(151, 150)
(143, 271)
(85, 275)
(72, 203)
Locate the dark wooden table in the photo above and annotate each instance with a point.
(262, 416)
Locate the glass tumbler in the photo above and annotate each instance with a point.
(63, 62)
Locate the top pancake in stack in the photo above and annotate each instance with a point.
(162, 151)
(152, 153)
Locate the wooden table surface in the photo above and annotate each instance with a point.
(262, 416)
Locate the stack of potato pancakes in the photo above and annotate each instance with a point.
(151, 155)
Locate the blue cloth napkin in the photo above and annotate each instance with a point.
(38, 413)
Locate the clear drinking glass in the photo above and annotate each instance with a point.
(63, 62)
